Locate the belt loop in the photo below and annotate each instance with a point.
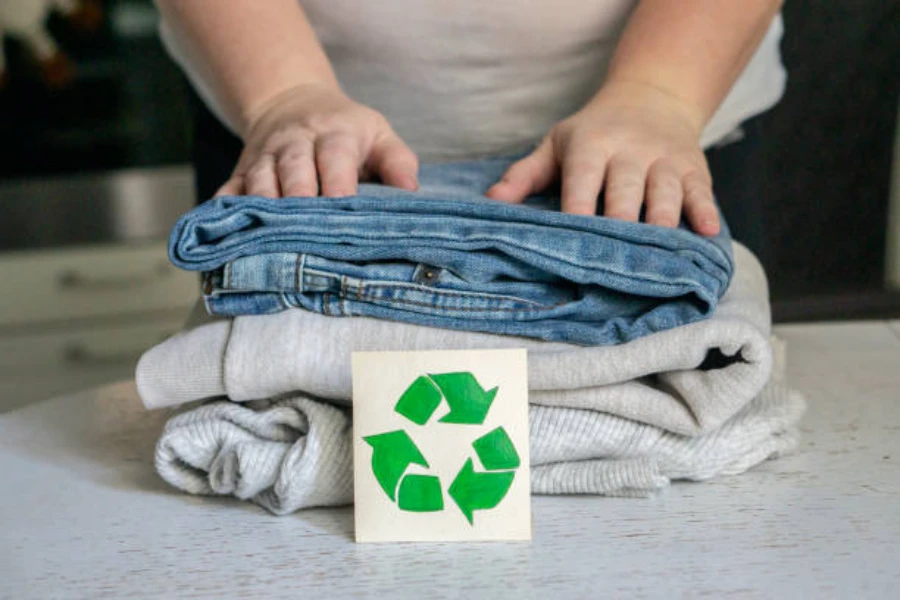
(301, 274)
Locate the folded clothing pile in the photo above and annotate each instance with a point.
(449, 257)
(649, 349)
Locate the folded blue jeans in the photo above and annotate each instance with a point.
(447, 256)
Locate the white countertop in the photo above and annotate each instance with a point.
(84, 515)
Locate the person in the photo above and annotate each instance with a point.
(614, 96)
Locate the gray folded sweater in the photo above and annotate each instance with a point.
(296, 452)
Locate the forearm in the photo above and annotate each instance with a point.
(251, 51)
(692, 50)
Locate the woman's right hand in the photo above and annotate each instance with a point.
(312, 140)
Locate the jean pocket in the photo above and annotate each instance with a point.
(439, 300)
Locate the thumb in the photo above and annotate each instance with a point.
(530, 175)
(394, 162)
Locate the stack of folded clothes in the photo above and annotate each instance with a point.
(650, 357)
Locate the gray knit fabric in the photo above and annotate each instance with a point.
(296, 452)
(666, 379)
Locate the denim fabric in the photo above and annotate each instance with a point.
(446, 256)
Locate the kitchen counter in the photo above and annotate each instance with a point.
(83, 513)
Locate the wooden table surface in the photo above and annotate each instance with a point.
(84, 515)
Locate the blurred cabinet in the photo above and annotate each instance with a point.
(80, 283)
(76, 317)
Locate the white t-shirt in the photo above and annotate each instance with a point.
(468, 78)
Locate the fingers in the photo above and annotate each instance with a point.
(395, 163)
(664, 194)
(233, 187)
(314, 140)
(583, 171)
(667, 190)
(625, 185)
(333, 160)
(235, 184)
(261, 178)
(528, 176)
(337, 159)
(297, 169)
(699, 206)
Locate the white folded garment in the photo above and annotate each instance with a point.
(687, 380)
(296, 452)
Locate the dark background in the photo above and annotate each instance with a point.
(828, 149)
(827, 146)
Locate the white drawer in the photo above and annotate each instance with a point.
(53, 285)
(37, 366)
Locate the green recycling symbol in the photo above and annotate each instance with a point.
(393, 452)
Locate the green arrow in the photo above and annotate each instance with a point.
(420, 493)
(419, 401)
(479, 491)
(392, 453)
(496, 451)
(469, 403)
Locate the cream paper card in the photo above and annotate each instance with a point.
(440, 445)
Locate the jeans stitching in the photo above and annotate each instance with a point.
(375, 300)
(363, 286)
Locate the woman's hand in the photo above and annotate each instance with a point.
(636, 141)
(312, 139)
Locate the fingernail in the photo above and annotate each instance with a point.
(407, 182)
(495, 194)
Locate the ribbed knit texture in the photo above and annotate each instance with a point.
(295, 453)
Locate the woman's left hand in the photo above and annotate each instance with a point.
(639, 143)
